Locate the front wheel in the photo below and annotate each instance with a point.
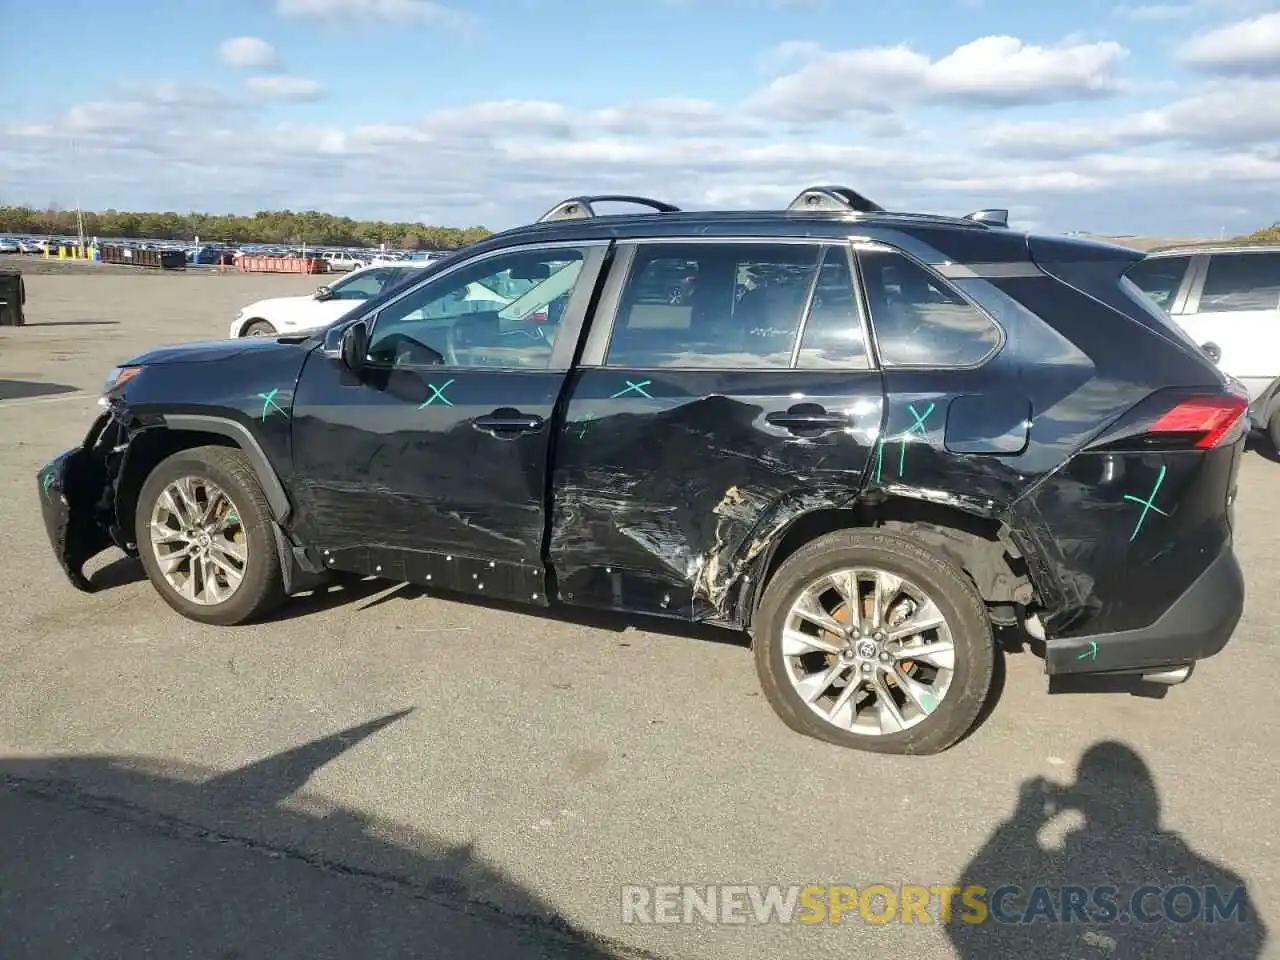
(869, 640)
(203, 529)
(258, 328)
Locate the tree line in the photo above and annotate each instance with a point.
(1269, 234)
(267, 226)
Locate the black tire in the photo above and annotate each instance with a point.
(951, 590)
(1273, 430)
(257, 328)
(262, 589)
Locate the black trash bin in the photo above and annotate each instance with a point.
(13, 294)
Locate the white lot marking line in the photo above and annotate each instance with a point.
(27, 401)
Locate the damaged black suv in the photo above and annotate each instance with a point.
(865, 438)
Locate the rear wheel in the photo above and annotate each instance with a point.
(1273, 430)
(869, 640)
(258, 328)
(203, 530)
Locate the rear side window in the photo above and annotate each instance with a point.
(713, 305)
(919, 319)
(833, 334)
(1241, 281)
(1159, 278)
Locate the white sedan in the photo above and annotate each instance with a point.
(278, 315)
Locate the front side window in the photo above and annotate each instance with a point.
(919, 319)
(713, 305)
(501, 311)
(1159, 278)
(1241, 281)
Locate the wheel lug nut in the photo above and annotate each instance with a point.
(866, 668)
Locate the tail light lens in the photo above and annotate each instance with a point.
(1206, 422)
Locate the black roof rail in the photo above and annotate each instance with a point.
(992, 218)
(836, 198)
(583, 208)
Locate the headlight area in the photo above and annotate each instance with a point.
(113, 389)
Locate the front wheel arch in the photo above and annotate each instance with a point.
(183, 432)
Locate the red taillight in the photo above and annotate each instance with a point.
(1211, 417)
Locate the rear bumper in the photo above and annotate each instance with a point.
(1197, 625)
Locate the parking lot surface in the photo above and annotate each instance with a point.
(385, 772)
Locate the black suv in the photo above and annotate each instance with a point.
(866, 438)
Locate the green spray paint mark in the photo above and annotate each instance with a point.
(918, 427)
(879, 458)
(437, 393)
(1091, 653)
(233, 517)
(269, 404)
(929, 701)
(634, 387)
(1148, 504)
(585, 422)
(46, 483)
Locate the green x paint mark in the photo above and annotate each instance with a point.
(437, 393)
(1091, 653)
(634, 387)
(1148, 504)
(918, 427)
(269, 404)
(46, 483)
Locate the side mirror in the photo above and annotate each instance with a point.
(323, 292)
(1212, 351)
(355, 346)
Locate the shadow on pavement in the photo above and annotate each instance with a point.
(24, 389)
(124, 857)
(1115, 886)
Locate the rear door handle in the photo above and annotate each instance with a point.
(508, 421)
(807, 418)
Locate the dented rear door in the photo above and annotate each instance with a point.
(725, 387)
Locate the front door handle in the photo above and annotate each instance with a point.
(507, 421)
(807, 418)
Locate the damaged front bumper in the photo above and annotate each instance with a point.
(77, 500)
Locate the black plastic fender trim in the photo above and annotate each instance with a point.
(277, 499)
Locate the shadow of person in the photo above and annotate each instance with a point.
(125, 856)
(1115, 886)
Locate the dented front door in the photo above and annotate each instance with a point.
(726, 387)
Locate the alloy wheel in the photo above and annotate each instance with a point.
(868, 651)
(199, 541)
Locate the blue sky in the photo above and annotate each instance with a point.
(1095, 115)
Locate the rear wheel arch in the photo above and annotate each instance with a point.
(977, 545)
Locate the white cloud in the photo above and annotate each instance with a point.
(1154, 12)
(501, 162)
(283, 86)
(1245, 47)
(248, 53)
(1224, 117)
(994, 71)
(426, 13)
